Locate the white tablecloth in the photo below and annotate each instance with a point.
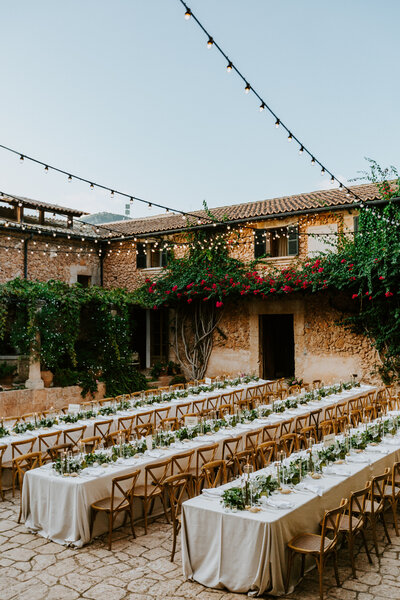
(247, 551)
(59, 508)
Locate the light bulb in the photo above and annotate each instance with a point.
(277, 123)
(322, 171)
(229, 67)
(262, 106)
(112, 192)
(91, 186)
(332, 179)
(301, 150)
(69, 178)
(290, 137)
(21, 158)
(247, 88)
(46, 169)
(210, 42)
(188, 14)
(313, 161)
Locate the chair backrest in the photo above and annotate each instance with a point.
(289, 443)
(181, 463)
(251, 392)
(214, 473)
(9, 422)
(90, 444)
(160, 414)
(331, 522)
(377, 494)
(122, 490)
(22, 447)
(314, 417)
(266, 453)
(341, 409)
(73, 435)
(355, 417)
(26, 462)
(270, 433)
(177, 488)
(58, 449)
(300, 423)
(395, 477)
(27, 417)
(144, 429)
(213, 402)
(205, 454)
(102, 428)
(113, 438)
(144, 417)
(126, 422)
(327, 427)
(353, 404)
(198, 405)
(370, 412)
(252, 439)
(3, 448)
(47, 440)
(306, 434)
(294, 390)
(225, 409)
(183, 409)
(330, 413)
(244, 403)
(171, 423)
(317, 383)
(177, 386)
(357, 507)
(230, 447)
(155, 475)
(243, 458)
(228, 397)
(286, 427)
(341, 423)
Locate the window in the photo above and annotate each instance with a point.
(150, 257)
(322, 238)
(84, 280)
(356, 224)
(279, 241)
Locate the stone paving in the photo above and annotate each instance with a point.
(32, 568)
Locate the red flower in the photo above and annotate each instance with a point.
(174, 288)
(272, 290)
(343, 260)
(320, 269)
(189, 285)
(381, 277)
(189, 300)
(388, 294)
(354, 296)
(219, 304)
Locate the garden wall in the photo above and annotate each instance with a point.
(19, 402)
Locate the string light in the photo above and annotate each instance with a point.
(290, 137)
(229, 67)
(277, 123)
(247, 88)
(301, 150)
(210, 42)
(262, 106)
(188, 14)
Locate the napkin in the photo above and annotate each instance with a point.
(212, 492)
(281, 504)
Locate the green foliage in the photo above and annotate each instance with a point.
(7, 370)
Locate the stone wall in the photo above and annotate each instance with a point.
(48, 258)
(19, 402)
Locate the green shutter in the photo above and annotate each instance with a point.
(141, 258)
(293, 240)
(164, 257)
(259, 243)
(356, 224)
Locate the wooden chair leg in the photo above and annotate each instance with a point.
(335, 566)
(110, 526)
(303, 564)
(320, 564)
(374, 536)
(366, 546)
(394, 510)
(131, 520)
(165, 507)
(385, 527)
(173, 544)
(93, 514)
(145, 507)
(351, 553)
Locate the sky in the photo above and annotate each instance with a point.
(127, 94)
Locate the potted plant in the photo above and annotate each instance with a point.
(47, 377)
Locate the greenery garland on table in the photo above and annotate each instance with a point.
(82, 334)
(299, 465)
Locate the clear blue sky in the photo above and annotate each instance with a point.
(127, 93)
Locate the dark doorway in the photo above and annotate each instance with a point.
(277, 349)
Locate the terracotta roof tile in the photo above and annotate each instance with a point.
(251, 210)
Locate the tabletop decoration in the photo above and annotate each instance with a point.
(3, 430)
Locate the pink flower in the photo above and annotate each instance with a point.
(343, 260)
(219, 304)
(381, 277)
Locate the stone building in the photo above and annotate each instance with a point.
(275, 337)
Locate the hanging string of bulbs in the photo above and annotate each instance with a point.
(279, 124)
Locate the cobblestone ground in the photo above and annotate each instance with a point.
(32, 568)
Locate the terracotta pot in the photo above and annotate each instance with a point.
(47, 377)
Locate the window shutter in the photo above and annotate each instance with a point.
(259, 243)
(141, 257)
(293, 240)
(164, 257)
(356, 224)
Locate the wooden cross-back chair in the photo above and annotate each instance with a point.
(300, 423)
(170, 423)
(330, 413)
(228, 398)
(22, 464)
(73, 435)
(294, 390)
(3, 448)
(46, 441)
(230, 447)
(113, 438)
(121, 500)
(289, 443)
(183, 409)
(213, 402)
(313, 419)
(252, 439)
(144, 429)
(375, 505)
(225, 409)
(160, 414)
(155, 474)
(341, 409)
(90, 444)
(19, 448)
(181, 463)
(305, 435)
(286, 427)
(341, 423)
(144, 417)
(177, 488)
(392, 493)
(102, 428)
(214, 473)
(245, 457)
(204, 454)
(270, 433)
(266, 453)
(320, 547)
(126, 422)
(198, 405)
(327, 427)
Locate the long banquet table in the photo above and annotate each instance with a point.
(59, 507)
(246, 552)
(90, 423)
